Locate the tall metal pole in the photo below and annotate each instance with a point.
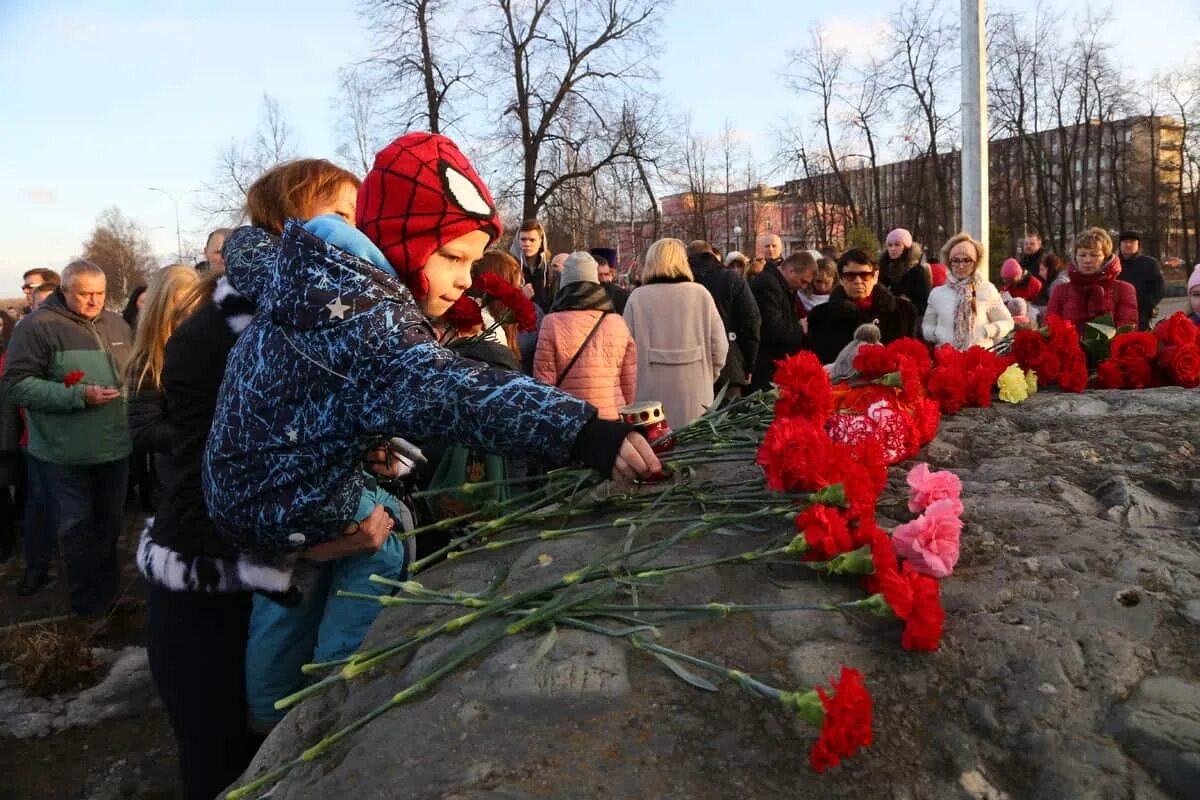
(178, 237)
(975, 125)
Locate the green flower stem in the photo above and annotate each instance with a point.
(806, 705)
(320, 748)
(739, 558)
(725, 609)
(475, 486)
(484, 528)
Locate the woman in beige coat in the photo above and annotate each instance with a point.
(681, 342)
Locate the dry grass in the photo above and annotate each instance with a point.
(49, 658)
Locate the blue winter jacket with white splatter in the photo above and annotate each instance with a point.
(338, 357)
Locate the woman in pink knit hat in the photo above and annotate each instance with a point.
(1018, 282)
(903, 269)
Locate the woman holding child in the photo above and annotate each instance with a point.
(340, 355)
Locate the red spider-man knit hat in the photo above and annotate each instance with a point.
(421, 194)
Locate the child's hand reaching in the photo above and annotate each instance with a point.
(636, 459)
(361, 537)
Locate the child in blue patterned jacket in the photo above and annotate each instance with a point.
(340, 355)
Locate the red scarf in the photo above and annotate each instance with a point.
(1097, 288)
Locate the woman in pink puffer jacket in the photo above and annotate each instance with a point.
(582, 321)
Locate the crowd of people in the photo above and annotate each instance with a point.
(276, 408)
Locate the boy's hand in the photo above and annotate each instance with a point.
(361, 537)
(636, 459)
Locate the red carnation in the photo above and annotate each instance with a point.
(825, 532)
(464, 315)
(1181, 364)
(1074, 374)
(874, 361)
(72, 378)
(923, 626)
(793, 454)
(847, 723)
(1109, 375)
(1028, 348)
(914, 350)
(1138, 374)
(1134, 346)
(511, 297)
(804, 388)
(928, 418)
(948, 386)
(1177, 329)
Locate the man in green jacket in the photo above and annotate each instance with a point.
(66, 366)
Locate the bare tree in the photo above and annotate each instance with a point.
(570, 64)
(697, 172)
(817, 71)
(241, 163)
(1182, 88)
(421, 61)
(868, 105)
(925, 62)
(118, 245)
(358, 111)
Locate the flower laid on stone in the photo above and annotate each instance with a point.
(1013, 384)
(1168, 356)
(1054, 353)
(963, 379)
(926, 487)
(930, 543)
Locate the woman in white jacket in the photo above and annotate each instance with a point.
(966, 310)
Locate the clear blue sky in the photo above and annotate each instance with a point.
(100, 101)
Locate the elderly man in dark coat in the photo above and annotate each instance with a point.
(1143, 272)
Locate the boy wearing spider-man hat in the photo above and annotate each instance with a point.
(341, 354)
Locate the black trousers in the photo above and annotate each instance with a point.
(197, 648)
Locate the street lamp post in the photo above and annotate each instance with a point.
(737, 238)
(178, 237)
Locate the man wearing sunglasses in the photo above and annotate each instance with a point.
(859, 299)
(33, 279)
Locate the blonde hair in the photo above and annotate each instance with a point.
(158, 319)
(959, 238)
(666, 258)
(1097, 238)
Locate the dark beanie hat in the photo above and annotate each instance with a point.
(1129, 236)
(421, 194)
(607, 253)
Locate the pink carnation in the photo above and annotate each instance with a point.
(930, 542)
(929, 487)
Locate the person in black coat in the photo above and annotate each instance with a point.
(606, 259)
(903, 269)
(859, 299)
(1032, 253)
(739, 312)
(1143, 272)
(775, 290)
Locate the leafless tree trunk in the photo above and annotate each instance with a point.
(421, 60)
(867, 105)
(924, 44)
(816, 71)
(357, 112)
(589, 51)
(241, 163)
